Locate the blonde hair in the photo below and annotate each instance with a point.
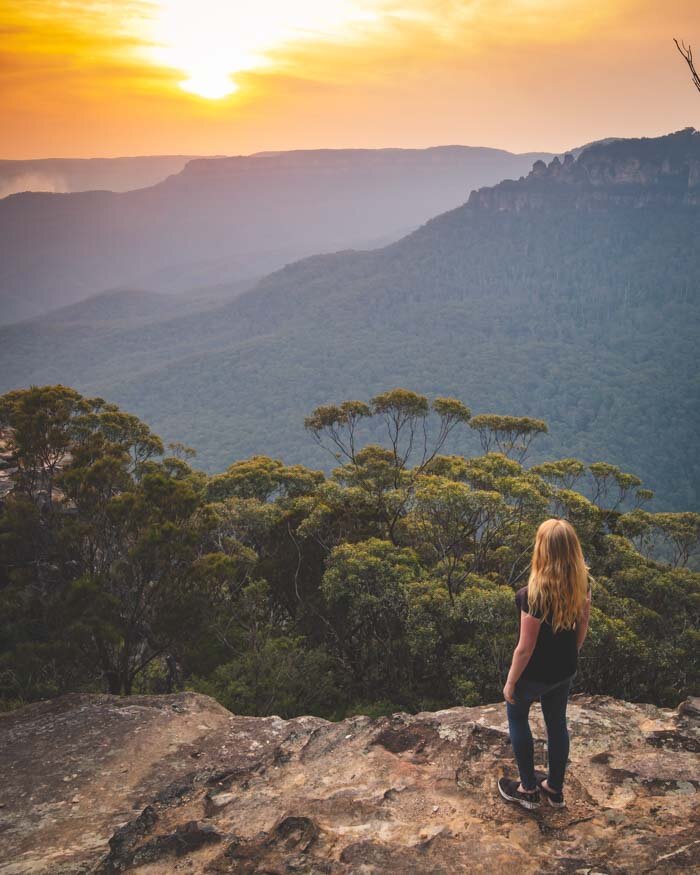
(559, 579)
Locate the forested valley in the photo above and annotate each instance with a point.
(570, 294)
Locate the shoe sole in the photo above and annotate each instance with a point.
(528, 805)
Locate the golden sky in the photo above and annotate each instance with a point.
(133, 77)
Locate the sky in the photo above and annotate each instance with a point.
(99, 78)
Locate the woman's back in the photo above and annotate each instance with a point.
(555, 656)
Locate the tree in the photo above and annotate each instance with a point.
(682, 533)
(112, 545)
(339, 424)
(678, 533)
(268, 671)
(365, 586)
(262, 478)
(41, 425)
(453, 527)
(609, 479)
(136, 590)
(563, 472)
(405, 416)
(510, 435)
(483, 642)
(384, 473)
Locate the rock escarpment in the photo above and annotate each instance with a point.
(178, 784)
(631, 173)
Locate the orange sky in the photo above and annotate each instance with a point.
(126, 77)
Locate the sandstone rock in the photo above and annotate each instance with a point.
(402, 794)
(631, 173)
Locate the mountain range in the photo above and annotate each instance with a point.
(219, 220)
(570, 294)
(86, 174)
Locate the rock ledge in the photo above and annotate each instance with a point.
(98, 784)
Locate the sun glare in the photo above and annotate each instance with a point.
(212, 84)
(212, 40)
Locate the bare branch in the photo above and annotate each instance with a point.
(687, 53)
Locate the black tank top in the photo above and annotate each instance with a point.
(555, 656)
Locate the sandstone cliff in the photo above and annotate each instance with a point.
(630, 173)
(178, 784)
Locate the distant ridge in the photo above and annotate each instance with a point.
(228, 220)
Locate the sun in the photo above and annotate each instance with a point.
(212, 84)
(210, 41)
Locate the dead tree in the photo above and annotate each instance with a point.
(687, 53)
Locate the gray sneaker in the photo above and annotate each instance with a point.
(556, 800)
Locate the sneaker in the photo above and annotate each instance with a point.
(509, 790)
(556, 800)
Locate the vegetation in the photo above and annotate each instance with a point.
(585, 318)
(387, 585)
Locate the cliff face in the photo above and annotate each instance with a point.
(631, 173)
(177, 783)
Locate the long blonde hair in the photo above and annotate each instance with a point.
(559, 577)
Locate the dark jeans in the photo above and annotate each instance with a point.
(553, 699)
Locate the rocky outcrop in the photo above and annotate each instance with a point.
(632, 173)
(99, 784)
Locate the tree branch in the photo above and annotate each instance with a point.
(687, 53)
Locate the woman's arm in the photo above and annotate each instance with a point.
(582, 622)
(529, 630)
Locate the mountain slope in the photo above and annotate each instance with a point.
(571, 295)
(223, 219)
(86, 174)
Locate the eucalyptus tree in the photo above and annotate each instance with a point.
(416, 430)
(510, 435)
(675, 534)
(110, 581)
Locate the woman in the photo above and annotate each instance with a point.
(554, 611)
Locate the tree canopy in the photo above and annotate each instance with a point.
(387, 584)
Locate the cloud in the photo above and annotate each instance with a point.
(147, 37)
(85, 77)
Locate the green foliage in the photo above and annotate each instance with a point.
(510, 435)
(365, 587)
(450, 525)
(269, 672)
(564, 472)
(483, 654)
(262, 478)
(387, 585)
(675, 534)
